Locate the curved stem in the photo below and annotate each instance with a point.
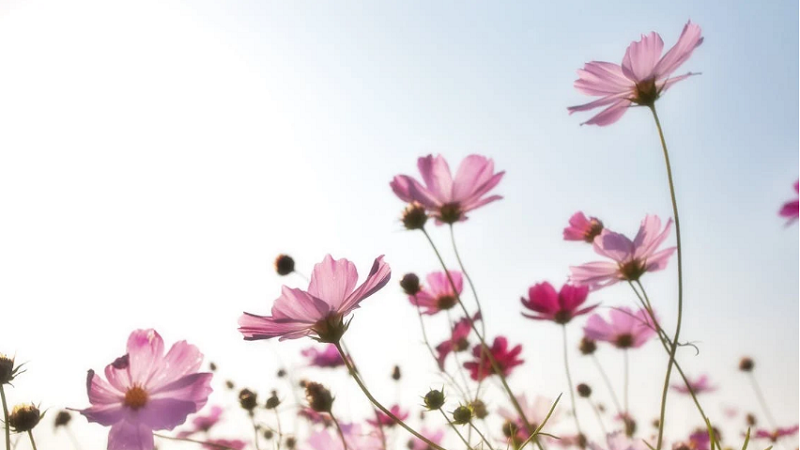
(453, 426)
(571, 388)
(354, 372)
(763, 402)
(435, 358)
(488, 444)
(484, 348)
(193, 441)
(608, 383)
(680, 280)
(33, 443)
(469, 279)
(375, 402)
(339, 430)
(5, 417)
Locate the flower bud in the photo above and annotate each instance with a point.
(751, 420)
(410, 284)
(24, 417)
(319, 398)
(7, 369)
(396, 373)
(268, 434)
(588, 346)
(248, 400)
(229, 384)
(509, 429)
(273, 401)
(62, 419)
(746, 364)
(434, 399)
(462, 415)
(584, 390)
(291, 443)
(281, 373)
(284, 265)
(479, 409)
(414, 217)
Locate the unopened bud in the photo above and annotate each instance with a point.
(319, 397)
(462, 415)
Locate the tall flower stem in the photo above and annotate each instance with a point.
(455, 428)
(339, 431)
(680, 280)
(5, 417)
(375, 402)
(280, 432)
(428, 345)
(627, 374)
(255, 431)
(374, 409)
(599, 417)
(762, 401)
(469, 279)
(484, 348)
(488, 444)
(33, 443)
(608, 383)
(570, 387)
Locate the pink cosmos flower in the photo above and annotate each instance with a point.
(446, 198)
(329, 357)
(535, 411)
(791, 209)
(582, 229)
(631, 260)
(385, 420)
(318, 312)
(777, 434)
(560, 307)
(418, 444)
(353, 435)
(147, 390)
(315, 417)
(438, 294)
(625, 330)
(203, 423)
(698, 386)
(700, 440)
(641, 79)
(215, 444)
(458, 340)
(506, 359)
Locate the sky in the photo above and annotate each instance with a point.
(157, 156)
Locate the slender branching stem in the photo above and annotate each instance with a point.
(428, 345)
(5, 417)
(608, 384)
(488, 444)
(763, 402)
(455, 428)
(571, 388)
(469, 279)
(33, 443)
(339, 431)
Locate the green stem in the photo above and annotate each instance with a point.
(255, 431)
(377, 404)
(599, 417)
(570, 387)
(627, 368)
(435, 358)
(5, 417)
(194, 441)
(762, 401)
(488, 444)
(453, 426)
(469, 279)
(280, 432)
(608, 384)
(339, 430)
(680, 279)
(484, 348)
(33, 443)
(374, 410)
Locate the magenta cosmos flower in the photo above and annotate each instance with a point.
(631, 259)
(535, 411)
(438, 294)
(418, 444)
(458, 339)
(216, 444)
(791, 209)
(506, 359)
(582, 229)
(560, 307)
(641, 79)
(625, 329)
(385, 420)
(328, 358)
(699, 386)
(318, 312)
(147, 390)
(777, 434)
(448, 199)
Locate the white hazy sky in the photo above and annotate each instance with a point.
(156, 156)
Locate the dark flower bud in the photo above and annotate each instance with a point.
(302, 383)
(268, 434)
(396, 373)
(281, 373)
(410, 284)
(62, 419)
(284, 265)
(291, 443)
(319, 398)
(212, 367)
(414, 217)
(273, 401)
(588, 346)
(479, 409)
(630, 426)
(584, 390)
(24, 417)
(582, 440)
(509, 429)
(7, 369)
(434, 399)
(746, 364)
(751, 420)
(462, 415)
(229, 384)
(656, 423)
(248, 400)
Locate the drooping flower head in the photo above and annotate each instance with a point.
(418, 444)
(458, 339)
(535, 410)
(582, 229)
(775, 435)
(320, 311)
(506, 359)
(631, 259)
(699, 386)
(438, 294)
(641, 79)
(448, 199)
(147, 390)
(327, 358)
(385, 420)
(791, 209)
(626, 329)
(559, 307)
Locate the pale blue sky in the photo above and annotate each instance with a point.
(158, 155)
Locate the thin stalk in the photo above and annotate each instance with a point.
(453, 426)
(193, 441)
(255, 431)
(569, 380)
(538, 429)
(375, 402)
(469, 279)
(627, 374)
(33, 443)
(374, 410)
(484, 347)
(435, 358)
(488, 444)
(339, 430)
(608, 383)
(459, 367)
(680, 279)
(762, 401)
(5, 417)
(599, 417)
(280, 432)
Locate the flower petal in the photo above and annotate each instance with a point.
(642, 56)
(130, 436)
(145, 352)
(691, 38)
(610, 114)
(333, 280)
(436, 174)
(379, 275)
